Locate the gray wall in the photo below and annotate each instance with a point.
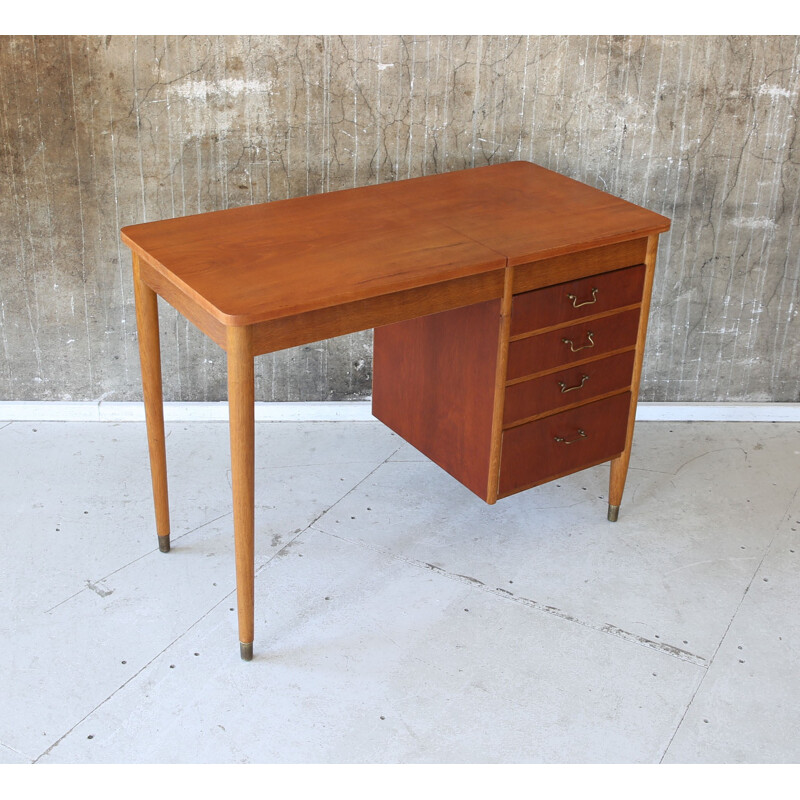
(98, 132)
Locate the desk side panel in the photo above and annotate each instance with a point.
(324, 323)
(434, 384)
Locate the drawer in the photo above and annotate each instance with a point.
(571, 266)
(573, 343)
(560, 304)
(562, 443)
(568, 386)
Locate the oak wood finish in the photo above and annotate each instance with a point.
(575, 300)
(195, 313)
(499, 394)
(619, 466)
(451, 249)
(242, 424)
(532, 454)
(150, 357)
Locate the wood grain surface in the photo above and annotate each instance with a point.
(575, 300)
(527, 212)
(274, 260)
(567, 387)
(584, 340)
(434, 384)
(531, 454)
(619, 466)
(548, 271)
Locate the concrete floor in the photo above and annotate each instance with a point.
(398, 617)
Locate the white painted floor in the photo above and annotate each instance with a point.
(398, 618)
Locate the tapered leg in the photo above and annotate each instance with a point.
(619, 472)
(619, 466)
(150, 357)
(241, 404)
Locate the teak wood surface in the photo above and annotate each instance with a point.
(593, 337)
(442, 388)
(270, 276)
(591, 434)
(575, 300)
(565, 387)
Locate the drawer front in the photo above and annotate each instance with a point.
(568, 386)
(595, 260)
(562, 443)
(565, 302)
(573, 343)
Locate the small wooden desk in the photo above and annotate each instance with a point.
(515, 302)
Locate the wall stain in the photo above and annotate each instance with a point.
(101, 132)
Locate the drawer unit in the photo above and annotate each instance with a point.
(572, 343)
(531, 386)
(566, 302)
(566, 387)
(562, 443)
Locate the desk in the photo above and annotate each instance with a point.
(488, 288)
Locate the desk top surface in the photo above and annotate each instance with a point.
(261, 262)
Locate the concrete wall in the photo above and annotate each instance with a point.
(96, 133)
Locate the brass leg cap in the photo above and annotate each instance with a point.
(246, 651)
(163, 543)
(613, 513)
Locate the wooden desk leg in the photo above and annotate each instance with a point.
(241, 397)
(619, 465)
(150, 357)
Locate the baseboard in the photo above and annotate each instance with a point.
(88, 411)
(718, 412)
(355, 411)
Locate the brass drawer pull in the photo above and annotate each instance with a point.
(574, 349)
(562, 440)
(574, 297)
(564, 388)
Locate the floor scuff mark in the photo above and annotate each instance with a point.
(99, 590)
(613, 630)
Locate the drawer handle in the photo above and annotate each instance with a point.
(574, 349)
(562, 440)
(574, 298)
(565, 389)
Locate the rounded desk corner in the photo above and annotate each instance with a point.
(230, 321)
